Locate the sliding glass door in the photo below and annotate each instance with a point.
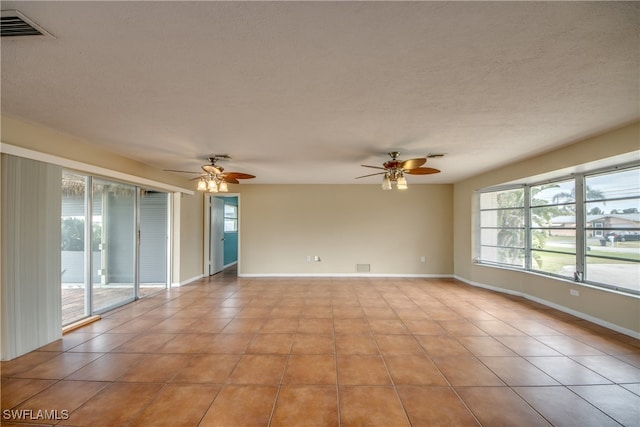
(114, 237)
(115, 240)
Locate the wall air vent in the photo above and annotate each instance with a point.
(15, 24)
(363, 268)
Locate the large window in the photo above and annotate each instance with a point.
(584, 228)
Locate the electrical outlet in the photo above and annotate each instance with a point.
(574, 292)
(316, 258)
(308, 258)
(423, 259)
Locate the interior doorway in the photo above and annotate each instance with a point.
(223, 233)
(216, 239)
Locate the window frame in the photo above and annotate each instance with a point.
(233, 217)
(523, 229)
(580, 202)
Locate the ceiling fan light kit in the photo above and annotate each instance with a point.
(212, 184)
(391, 178)
(395, 169)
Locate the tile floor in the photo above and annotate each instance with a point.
(73, 297)
(329, 352)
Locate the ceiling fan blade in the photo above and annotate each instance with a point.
(421, 171)
(237, 175)
(364, 176)
(230, 180)
(412, 163)
(374, 167)
(173, 170)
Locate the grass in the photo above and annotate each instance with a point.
(554, 262)
(595, 249)
(626, 255)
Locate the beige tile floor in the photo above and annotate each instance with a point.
(330, 352)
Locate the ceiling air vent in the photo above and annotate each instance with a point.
(15, 24)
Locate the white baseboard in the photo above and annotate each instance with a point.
(423, 276)
(553, 305)
(186, 282)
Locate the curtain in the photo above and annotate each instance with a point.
(30, 255)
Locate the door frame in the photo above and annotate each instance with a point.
(216, 236)
(206, 256)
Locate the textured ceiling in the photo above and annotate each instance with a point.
(305, 92)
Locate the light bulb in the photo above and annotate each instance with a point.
(223, 187)
(202, 184)
(386, 183)
(212, 187)
(402, 183)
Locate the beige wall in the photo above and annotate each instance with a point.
(191, 237)
(345, 225)
(610, 307)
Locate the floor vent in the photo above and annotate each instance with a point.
(363, 268)
(15, 24)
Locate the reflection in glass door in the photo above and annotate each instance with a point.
(114, 238)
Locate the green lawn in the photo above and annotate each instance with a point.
(626, 255)
(554, 262)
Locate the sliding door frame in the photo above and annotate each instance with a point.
(89, 264)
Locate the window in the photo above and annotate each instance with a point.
(230, 218)
(552, 233)
(598, 228)
(612, 206)
(585, 228)
(502, 226)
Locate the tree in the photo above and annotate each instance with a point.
(511, 236)
(590, 193)
(72, 234)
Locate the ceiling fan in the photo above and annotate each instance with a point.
(213, 178)
(394, 170)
